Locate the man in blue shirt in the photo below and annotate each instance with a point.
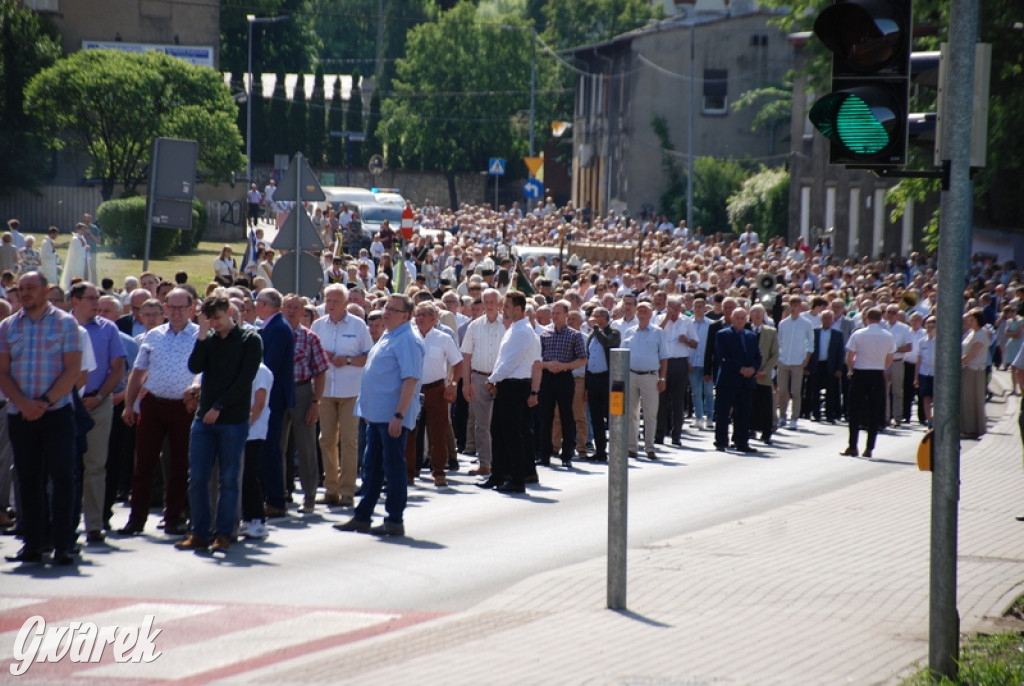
(739, 356)
(389, 405)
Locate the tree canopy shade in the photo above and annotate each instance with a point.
(571, 23)
(27, 45)
(111, 104)
(287, 46)
(460, 92)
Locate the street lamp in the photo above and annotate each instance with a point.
(533, 72)
(253, 19)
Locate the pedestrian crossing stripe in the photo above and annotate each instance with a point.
(197, 642)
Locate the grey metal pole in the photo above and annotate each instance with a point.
(618, 476)
(533, 83)
(250, 19)
(954, 239)
(496, 177)
(689, 129)
(150, 204)
(298, 233)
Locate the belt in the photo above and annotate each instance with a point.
(165, 400)
(653, 371)
(477, 371)
(679, 358)
(91, 394)
(433, 384)
(303, 382)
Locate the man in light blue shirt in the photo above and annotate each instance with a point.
(389, 404)
(648, 363)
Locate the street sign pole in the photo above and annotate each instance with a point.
(618, 476)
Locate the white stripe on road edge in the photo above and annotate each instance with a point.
(183, 661)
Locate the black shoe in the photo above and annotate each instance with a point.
(599, 457)
(566, 462)
(677, 442)
(453, 465)
(511, 487)
(176, 529)
(26, 554)
(130, 529)
(719, 448)
(63, 558)
(95, 536)
(746, 449)
(491, 482)
(544, 461)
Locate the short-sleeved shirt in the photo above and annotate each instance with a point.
(440, 352)
(871, 345)
(37, 349)
(397, 356)
(673, 330)
(106, 346)
(567, 345)
(164, 355)
(482, 340)
(646, 348)
(349, 337)
(310, 358)
(264, 379)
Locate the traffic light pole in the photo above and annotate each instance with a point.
(954, 240)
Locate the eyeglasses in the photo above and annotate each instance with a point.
(396, 311)
(424, 314)
(177, 307)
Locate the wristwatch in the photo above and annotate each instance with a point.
(399, 415)
(46, 398)
(533, 393)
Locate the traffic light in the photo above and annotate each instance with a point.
(865, 115)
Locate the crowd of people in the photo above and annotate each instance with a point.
(443, 352)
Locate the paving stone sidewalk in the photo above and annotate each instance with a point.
(830, 590)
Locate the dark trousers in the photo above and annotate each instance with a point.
(820, 381)
(120, 461)
(509, 429)
(867, 393)
(597, 398)
(272, 462)
(252, 487)
(460, 418)
(434, 416)
(672, 400)
(909, 393)
(762, 411)
(160, 418)
(385, 457)
(732, 403)
(44, 457)
(556, 390)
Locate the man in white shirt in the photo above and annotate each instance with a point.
(796, 343)
(480, 353)
(869, 355)
(680, 339)
(903, 337)
(515, 384)
(346, 340)
(440, 378)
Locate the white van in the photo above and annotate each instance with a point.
(350, 195)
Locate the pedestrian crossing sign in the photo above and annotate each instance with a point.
(496, 166)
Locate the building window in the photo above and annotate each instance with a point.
(716, 91)
(43, 5)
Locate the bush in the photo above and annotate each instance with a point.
(124, 228)
(762, 201)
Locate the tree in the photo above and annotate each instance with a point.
(288, 46)
(277, 117)
(316, 127)
(762, 201)
(452, 114)
(113, 103)
(27, 46)
(714, 182)
(571, 23)
(335, 120)
(672, 201)
(297, 111)
(354, 120)
(373, 146)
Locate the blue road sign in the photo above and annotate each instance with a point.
(533, 189)
(496, 166)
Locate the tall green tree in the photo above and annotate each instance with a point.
(452, 114)
(714, 182)
(354, 119)
(277, 117)
(571, 23)
(298, 133)
(316, 127)
(335, 122)
(28, 44)
(111, 104)
(373, 145)
(288, 46)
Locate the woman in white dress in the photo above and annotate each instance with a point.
(224, 267)
(77, 262)
(48, 256)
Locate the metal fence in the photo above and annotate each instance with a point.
(60, 206)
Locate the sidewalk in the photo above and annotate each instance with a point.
(830, 590)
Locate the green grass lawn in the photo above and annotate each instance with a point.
(985, 660)
(198, 264)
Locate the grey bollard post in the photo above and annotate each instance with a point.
(618, 479)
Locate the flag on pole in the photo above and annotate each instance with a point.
(401, 273)
(250, 250)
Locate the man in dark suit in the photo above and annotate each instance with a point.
(825, 368)
(711, 359)
(279, 356)
(132, 323)
(739, 358)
